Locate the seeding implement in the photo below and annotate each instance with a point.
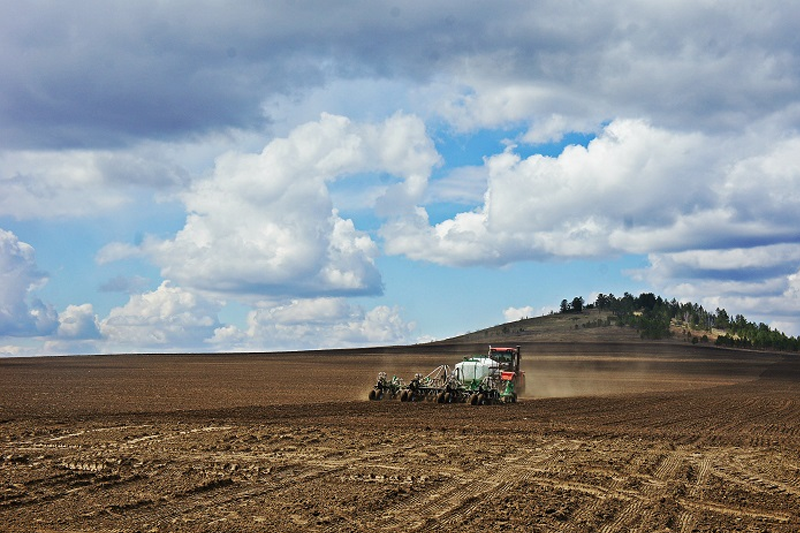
(479, 380)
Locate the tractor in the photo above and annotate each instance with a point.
(479, 380)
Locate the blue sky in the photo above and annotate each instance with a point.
(294, 175)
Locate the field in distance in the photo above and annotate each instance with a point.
(617, 434)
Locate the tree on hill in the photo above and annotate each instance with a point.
(576, 306)
(652, 316)
(602, 301)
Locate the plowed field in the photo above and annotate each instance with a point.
(614, 437)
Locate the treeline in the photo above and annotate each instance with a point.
(652, 316)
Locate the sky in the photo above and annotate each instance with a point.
(290, 175)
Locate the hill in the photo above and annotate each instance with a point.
(629, 318)
(592, 325)
(589, 325)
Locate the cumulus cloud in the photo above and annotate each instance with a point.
(20, 314)
(635, 188)
(264, 224)
(317, 323)
(513, 314)
(78, 322)
(166, 319)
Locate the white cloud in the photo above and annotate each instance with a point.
(12, 350)
(566, 206)
(117, 251)
(166, 319)
(264, 224)
(634, 189)
(743, 263)
(360, 98)
(78, 322)
(21, 315)
(318, 323)
(763, 187)
(463, 185)
(54, 184)
(78, 183)
(513, 314)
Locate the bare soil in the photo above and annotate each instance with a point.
(615, 436)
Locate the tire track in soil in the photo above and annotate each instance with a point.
(225, 495)
(686, 520)
(83, 474)
(448, 501)
(415, 512)
(602, 497)
(665, 478)
(90, 471)
(765, 477)
(717, 462)
(738, 512)
(465, 491)
(78, 470)
(497, 485)
(632, 503)
(608, 497)
(76, 474)
(701, 461)
(546, 474)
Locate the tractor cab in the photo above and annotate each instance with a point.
(507, 358)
